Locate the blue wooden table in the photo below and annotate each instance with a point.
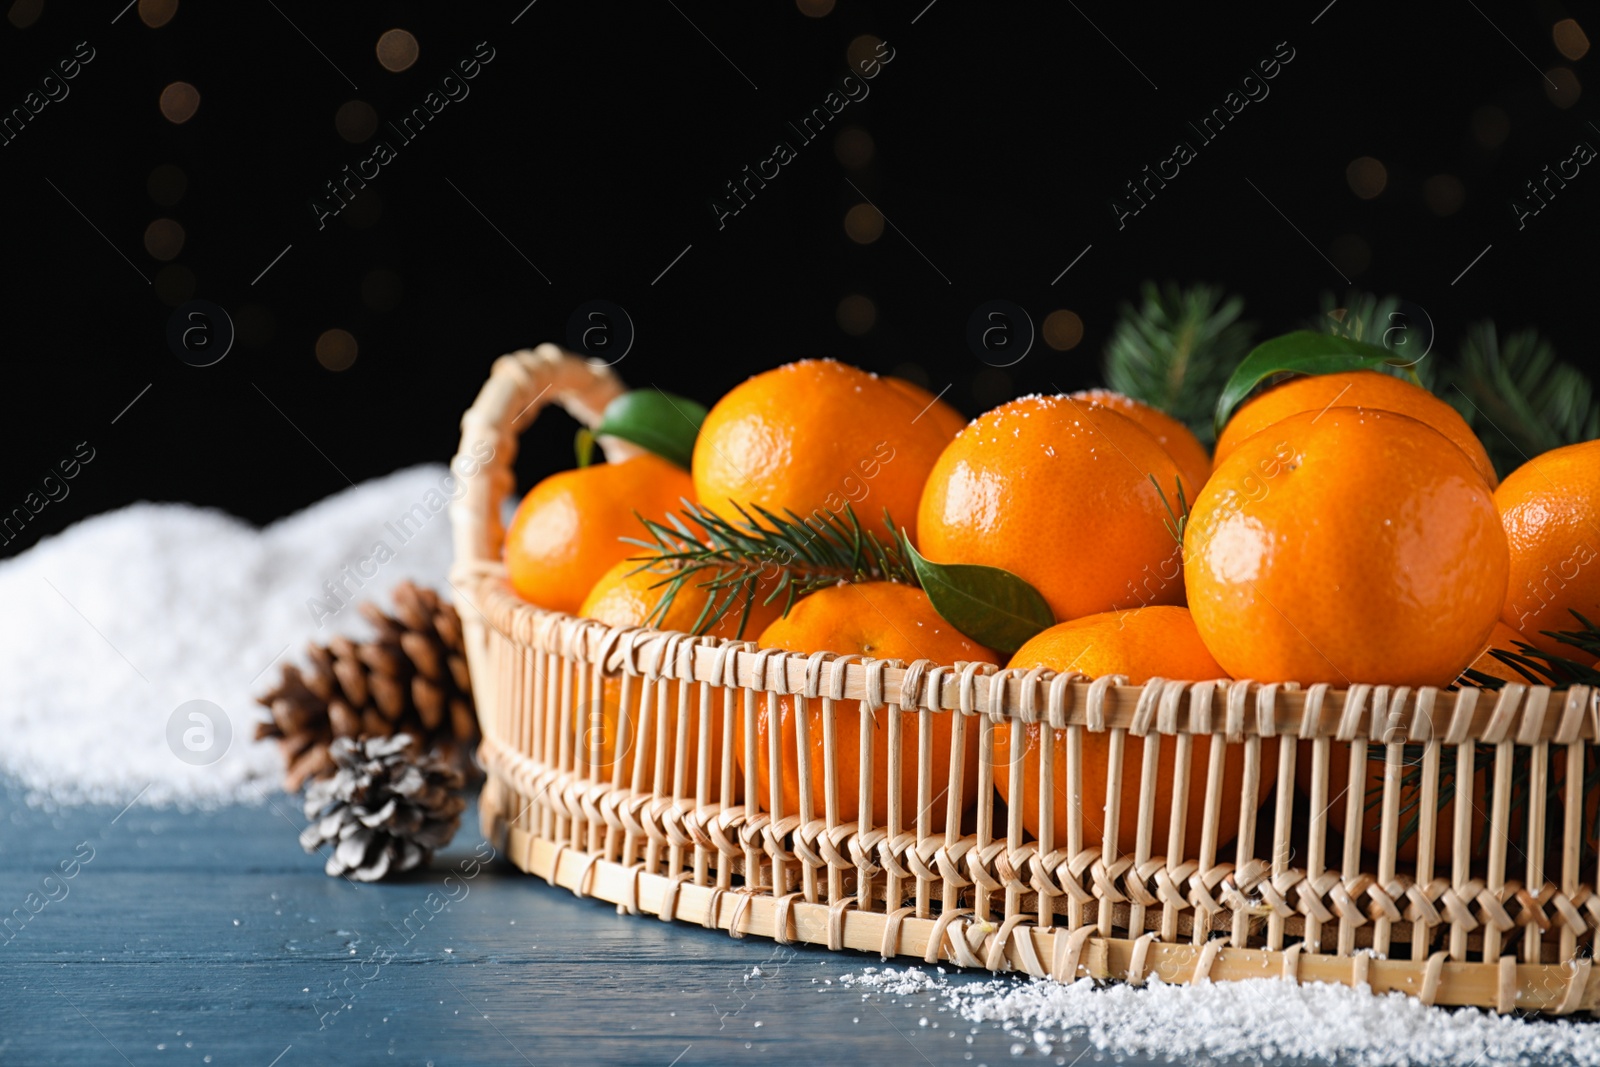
(159, 937)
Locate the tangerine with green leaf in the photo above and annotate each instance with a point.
(1352, 389)
(1064, 499)
(1343, 546)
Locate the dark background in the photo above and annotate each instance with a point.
(593, 144)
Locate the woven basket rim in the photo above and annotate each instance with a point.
(1235, 708)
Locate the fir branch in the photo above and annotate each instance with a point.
(1382, 321)
(1177, 349)
(765, 555)
(1548, 668)
(1538, 668)
(1519, 397)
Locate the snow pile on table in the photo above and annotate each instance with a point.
(1259, 1018)
(114, 623)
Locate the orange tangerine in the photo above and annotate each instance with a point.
(1551, 510)
(1143, 643)
(1063, 499)
(880, 620)
(818, 435)
(1343, 546)
(568, 530)
(1353, 389)
(1179, 441)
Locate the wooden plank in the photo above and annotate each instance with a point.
(144, 946)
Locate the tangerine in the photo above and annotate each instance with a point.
(567, 531)
(1179, 441)
(1352, 389)
(945, 417)
(818, 435)
(1062, 499)
(627, 597)
(1552, 523)
(881, 620)
(1342, 546)
(1143, 643)
(1505, 638)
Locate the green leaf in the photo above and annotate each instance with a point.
(990, 605)
(1385, 321)
(659, 422)
(1301, 352)
(583, 446)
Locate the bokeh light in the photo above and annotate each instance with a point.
(1570, 39)
(1367, 177)
(863, 224)
(1444, 194)
(397, 50)
(1062, 330)
(355, 120)
(814, 8)
(24, 13)
(163, 239)
(1351, 254)
(854, 147)
(157, 13)
(167, 184)
(857, 314)
(175, 284)
(179, 102)
(862, 50)
(336, 349)
(381, 290)
(1566, 88)
(1490, 126)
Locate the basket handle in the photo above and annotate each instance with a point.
(519, 386)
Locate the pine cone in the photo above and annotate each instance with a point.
(412, 678)
(383, 810)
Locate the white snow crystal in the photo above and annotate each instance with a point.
(1253, 1018)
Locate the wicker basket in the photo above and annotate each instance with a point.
(1506, 922)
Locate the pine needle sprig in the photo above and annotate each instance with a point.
(1548, 668)
(764, 554)
(1383, 321)
(1519, 397)
(1538, 667)
(1176, 350)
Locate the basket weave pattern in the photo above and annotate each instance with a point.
(1287, 890)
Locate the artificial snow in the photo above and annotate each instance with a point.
(1254, 1019)
(114, 623)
